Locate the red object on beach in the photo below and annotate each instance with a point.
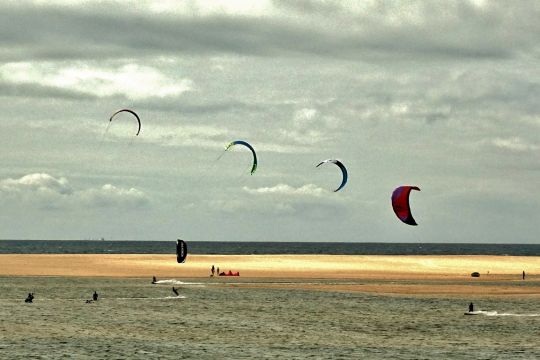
(230, 273)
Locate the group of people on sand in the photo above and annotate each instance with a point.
(215, 271)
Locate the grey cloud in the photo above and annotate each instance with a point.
(40, 91)
(444, 31)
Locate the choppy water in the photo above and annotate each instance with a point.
(136, 320)
(247, 248)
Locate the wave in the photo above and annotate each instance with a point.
(178, 282)
(152, 298)
(495, 313)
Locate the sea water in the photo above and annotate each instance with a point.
(221, 319)
(248, 248)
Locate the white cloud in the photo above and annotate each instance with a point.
(110, 195)
(130, 80)
(45, 191)
(36, 183)
(284, 189)
(309, 126)
(514, 144)
(193, 7)
(205, 136)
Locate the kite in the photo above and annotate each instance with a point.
(400, 204)
(131, 112)
(343, 171)
(241, 142)
(181, 251)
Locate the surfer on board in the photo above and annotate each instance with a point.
(471, 307)
(95, 295)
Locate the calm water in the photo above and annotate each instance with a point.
(136, 320)
(201, 247)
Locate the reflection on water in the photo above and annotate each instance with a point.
(136, 320)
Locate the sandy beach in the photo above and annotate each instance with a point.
(434, 275)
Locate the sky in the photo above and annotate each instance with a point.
(439, 95)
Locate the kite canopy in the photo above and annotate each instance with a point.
(131, 112)
(241, 142)
(181, 251)
(343, 171)
(400, 204)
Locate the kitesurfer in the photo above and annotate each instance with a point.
(95, 296)
(471, 307)
(175, 291)
(154, 280)
(29, 298)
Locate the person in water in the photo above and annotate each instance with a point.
(154, 280)
(471, 307)
(213, 270)
(175, 291)
(29, 298)
(95, 296)
(523, 274)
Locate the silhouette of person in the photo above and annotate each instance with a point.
(213, 270)
(471, 307)
(175, 291)
(523, 274)
(95, 296)
(29, 298)
(154, 280)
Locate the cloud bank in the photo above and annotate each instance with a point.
(44, 191)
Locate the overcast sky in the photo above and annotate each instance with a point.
(441, 95)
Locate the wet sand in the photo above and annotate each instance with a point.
(435, 275)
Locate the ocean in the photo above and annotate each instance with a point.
(216, 319)
(248, 248)
(242, 318)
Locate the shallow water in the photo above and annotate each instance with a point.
(136, 320)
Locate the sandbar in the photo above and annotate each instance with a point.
(446, 275)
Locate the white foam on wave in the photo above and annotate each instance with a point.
(495, 313)
(178, 282)
(153, 298)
